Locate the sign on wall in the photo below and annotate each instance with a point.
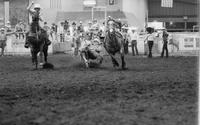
(188, 42)
(167, 3)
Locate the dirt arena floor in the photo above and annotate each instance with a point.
(151, 92)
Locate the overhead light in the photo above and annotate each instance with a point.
(89, 3)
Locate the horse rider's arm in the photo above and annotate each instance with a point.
(29, 8)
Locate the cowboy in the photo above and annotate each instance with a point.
(53, 31)
(126, 38)
(95, 25)
(133, 38)
(34, 26)
(165, 42)
(66, 26)
(150, 40)
(80, 28)
(19, 30)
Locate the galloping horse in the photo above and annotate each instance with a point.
(38, 44)
(114, 43)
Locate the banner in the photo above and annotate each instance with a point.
(89, 3)
(167, 3)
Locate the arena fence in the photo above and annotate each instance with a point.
(179, 42)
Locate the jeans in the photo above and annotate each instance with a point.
(164, 49)
(134, 47)
(150, 44)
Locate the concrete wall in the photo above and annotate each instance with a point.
(135, 12)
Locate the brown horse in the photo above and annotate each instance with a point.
(38, 44)
(114, 43)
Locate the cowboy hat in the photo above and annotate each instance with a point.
(37, 6)
(2, 29)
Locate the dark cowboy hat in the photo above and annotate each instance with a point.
(150, 29)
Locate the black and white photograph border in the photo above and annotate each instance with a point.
(99, 62)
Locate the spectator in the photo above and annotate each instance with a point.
(95, 25)
(61, 32)
(53, 31)
(19, 30)
(66, 26)
(125, 36)
(150, 41)
(80, 28)
(88, 28)
(46, 28)
(165, 42)
(133, 39)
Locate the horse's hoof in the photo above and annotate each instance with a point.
(115, 66)
(124, 68)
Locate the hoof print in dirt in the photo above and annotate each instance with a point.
(139, 110)
(48, 66)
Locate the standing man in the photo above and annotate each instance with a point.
(150, 41)
(66, 26)
(61, 32)
(53, 31)
(80, 28)
(133, 39)
(165, 42)
(18, 30)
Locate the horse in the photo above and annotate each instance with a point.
(38, 44)
(114, 43)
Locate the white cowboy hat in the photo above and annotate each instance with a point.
(124, 27)
(2, 29)
(37, 6)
